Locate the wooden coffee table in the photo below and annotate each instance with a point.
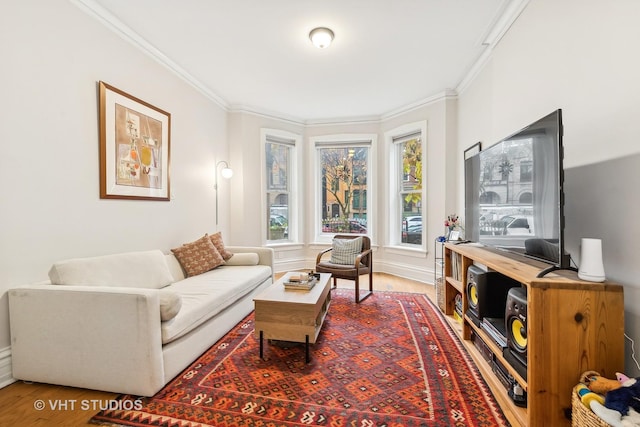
(292, 315)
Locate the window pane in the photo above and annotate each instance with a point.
(411, 165)
(359, 202)
(411, 190)
(277, 167)
(343, 189)
(278, 206)
(412, 218)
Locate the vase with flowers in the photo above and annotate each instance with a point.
(452, 223)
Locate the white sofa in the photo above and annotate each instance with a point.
(110, 336)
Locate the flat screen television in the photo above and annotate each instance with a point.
(514, 197)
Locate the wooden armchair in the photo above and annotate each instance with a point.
(363, 265)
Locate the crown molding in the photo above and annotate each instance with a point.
(338, 121)
(256, 111)
(507, 17)
(106, 18)
(493, 36)
(491, 39)
(446, 94)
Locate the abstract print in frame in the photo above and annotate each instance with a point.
(134, 147)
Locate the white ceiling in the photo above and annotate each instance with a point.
(256, 55)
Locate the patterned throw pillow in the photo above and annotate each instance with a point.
(216, 239)
(345, 251)
(198, 257)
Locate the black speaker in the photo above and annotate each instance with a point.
(516, 323)
(487, 293)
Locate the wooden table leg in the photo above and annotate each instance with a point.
(306, 348)
(261, 350)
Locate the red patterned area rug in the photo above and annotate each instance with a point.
(391, 360)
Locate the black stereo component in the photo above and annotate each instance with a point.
(518, 395)
(482, 347)
(506, 379)
(516, 323)
(486, 293)
(514, 390)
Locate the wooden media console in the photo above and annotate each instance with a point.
(572, 326)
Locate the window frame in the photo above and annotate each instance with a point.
(393, 138)
(343, 141)
(294, 141)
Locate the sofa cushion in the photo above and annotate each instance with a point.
(345, 251)
(170, 304)
(207, 294)
(174, 267)
(244, 258)
(217, 241)
(198, 256)
(145, 269)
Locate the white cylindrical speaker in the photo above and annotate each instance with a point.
(591, 266)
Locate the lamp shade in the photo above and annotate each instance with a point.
(321, 37)
(226, 173)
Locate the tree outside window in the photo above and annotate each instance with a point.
(344, 183)
(410, 156)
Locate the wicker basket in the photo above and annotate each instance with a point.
(440, 293)
(581, 416)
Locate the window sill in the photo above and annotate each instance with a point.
(417, 251)
(285, 245)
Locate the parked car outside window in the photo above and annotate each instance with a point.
(515, 225)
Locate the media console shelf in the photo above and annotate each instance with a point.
(572, 326)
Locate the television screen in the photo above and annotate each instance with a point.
(514, 197)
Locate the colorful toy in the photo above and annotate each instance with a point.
(625, 397)
(600, 384)
(617, 402)
(586, 395)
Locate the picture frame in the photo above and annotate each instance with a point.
(135, 141)
(473, 150)
(454, 235)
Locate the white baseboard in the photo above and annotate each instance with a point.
(5, 367)
(289, 265)
(407, 271)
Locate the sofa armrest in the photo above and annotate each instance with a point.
(265, 255)
(102, 338)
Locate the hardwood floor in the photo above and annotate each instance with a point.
(33, 404)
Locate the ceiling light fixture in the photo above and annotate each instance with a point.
(321, 37)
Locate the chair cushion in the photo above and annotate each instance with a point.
(345, 251)
(341, 271)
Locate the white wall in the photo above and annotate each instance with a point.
(440, 187)
(247, 192)
(53, 55)
(575, 54)
(49, 132)
(580, 56)
(247, 202)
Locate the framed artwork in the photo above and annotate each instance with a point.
(134, 147)
(473, 150)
